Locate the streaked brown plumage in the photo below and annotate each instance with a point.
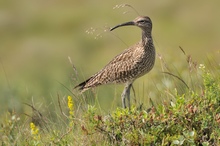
(131, 64)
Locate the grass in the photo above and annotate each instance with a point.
(191, 116)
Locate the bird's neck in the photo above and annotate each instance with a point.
(146, 37)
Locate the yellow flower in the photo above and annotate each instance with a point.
(71, 110)
(70, 106)
(34, 131)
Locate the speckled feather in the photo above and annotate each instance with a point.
(134, 62)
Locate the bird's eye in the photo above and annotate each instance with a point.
(142, 21)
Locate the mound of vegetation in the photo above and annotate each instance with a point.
(194, 119)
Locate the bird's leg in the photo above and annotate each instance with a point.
(126, 93)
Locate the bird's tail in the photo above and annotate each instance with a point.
(82, 85)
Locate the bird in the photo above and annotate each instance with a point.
(129, 65)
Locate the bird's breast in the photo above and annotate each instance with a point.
(144, 62)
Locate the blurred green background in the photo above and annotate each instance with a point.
(38, 36)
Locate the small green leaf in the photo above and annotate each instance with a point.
(191, 134)
(176, 142)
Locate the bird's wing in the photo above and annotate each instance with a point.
(118, 70)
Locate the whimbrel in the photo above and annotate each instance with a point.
(131, 64)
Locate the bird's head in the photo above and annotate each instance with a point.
(144, 22)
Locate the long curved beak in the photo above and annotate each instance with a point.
(123, 24)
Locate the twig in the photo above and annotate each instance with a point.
(177, 78)
(61, 107)
(39, 115)
(182, 50)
